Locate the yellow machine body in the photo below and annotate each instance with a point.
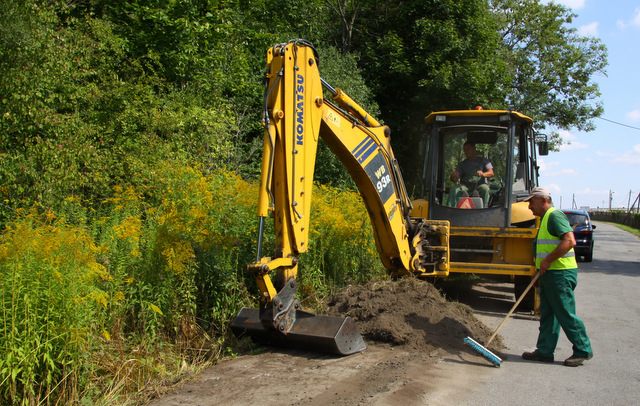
(423, 238)
(296, 115)
(497, 237)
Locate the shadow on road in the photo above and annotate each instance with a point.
(485, 296)
(628, 268)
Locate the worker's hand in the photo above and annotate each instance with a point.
(480, 173)
(544, 265)
(454, 177)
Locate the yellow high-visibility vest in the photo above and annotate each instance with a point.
(545, 243)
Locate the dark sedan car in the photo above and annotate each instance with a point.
(583, 232)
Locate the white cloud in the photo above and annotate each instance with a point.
(634, 115)
(633, 22)
(570, 142)
(553, 188)
(630, 157)
(589, 30)
(568, 172)
(606, 154)
(589, 191)
(545, 166)
(554, 168)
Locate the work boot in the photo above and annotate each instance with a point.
(574, 360)
(534, 356)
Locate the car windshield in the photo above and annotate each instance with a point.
(577, 220)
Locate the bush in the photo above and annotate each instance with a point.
(342, 249)
(48, 276)
(100, 299)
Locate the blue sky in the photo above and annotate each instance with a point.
(591, 164)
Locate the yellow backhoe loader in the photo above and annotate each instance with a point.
(419, 238)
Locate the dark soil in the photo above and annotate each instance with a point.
(409, 313)
(415, 355)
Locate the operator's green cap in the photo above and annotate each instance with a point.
(538, 191)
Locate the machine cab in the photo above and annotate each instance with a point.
(478, 164)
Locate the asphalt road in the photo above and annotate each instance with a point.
(609, 304)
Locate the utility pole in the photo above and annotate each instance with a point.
(610, 198)
(637, 200)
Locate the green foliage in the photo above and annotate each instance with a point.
(438, 55)
(95, 92)
(49, 296)
(127, 272)
(425, 56)
(81, 114)
(341, 71)
(149, 272)
(552, 67)
(342, 249)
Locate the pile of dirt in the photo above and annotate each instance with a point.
(410, 313)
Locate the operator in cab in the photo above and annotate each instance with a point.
(472, 174)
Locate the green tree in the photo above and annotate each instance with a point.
(341, 71)
(552, 67)
(80, 113)
(422, 56)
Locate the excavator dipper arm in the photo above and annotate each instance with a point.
(296, 115)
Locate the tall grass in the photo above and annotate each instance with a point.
(102, 301)
(49, 294)
(342, 250)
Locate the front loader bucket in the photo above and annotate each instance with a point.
(330, 334)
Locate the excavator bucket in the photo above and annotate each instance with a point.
(330, 334)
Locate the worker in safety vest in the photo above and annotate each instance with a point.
(556, 262)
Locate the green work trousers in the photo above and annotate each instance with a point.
(456, 192)
(558, 309)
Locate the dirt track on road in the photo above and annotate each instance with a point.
(386, 374)
(415, 355)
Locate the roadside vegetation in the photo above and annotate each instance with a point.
(130, 142)
(101, 300)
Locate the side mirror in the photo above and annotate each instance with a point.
(543, 143)
(543, 148)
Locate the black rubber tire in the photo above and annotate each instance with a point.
(589, 256)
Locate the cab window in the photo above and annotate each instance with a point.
(487, 148)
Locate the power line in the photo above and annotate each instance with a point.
(615, 122)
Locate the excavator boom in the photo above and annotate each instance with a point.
(296, 114)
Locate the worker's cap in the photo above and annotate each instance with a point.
(538, 191)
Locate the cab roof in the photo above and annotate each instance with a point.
(431, 117)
